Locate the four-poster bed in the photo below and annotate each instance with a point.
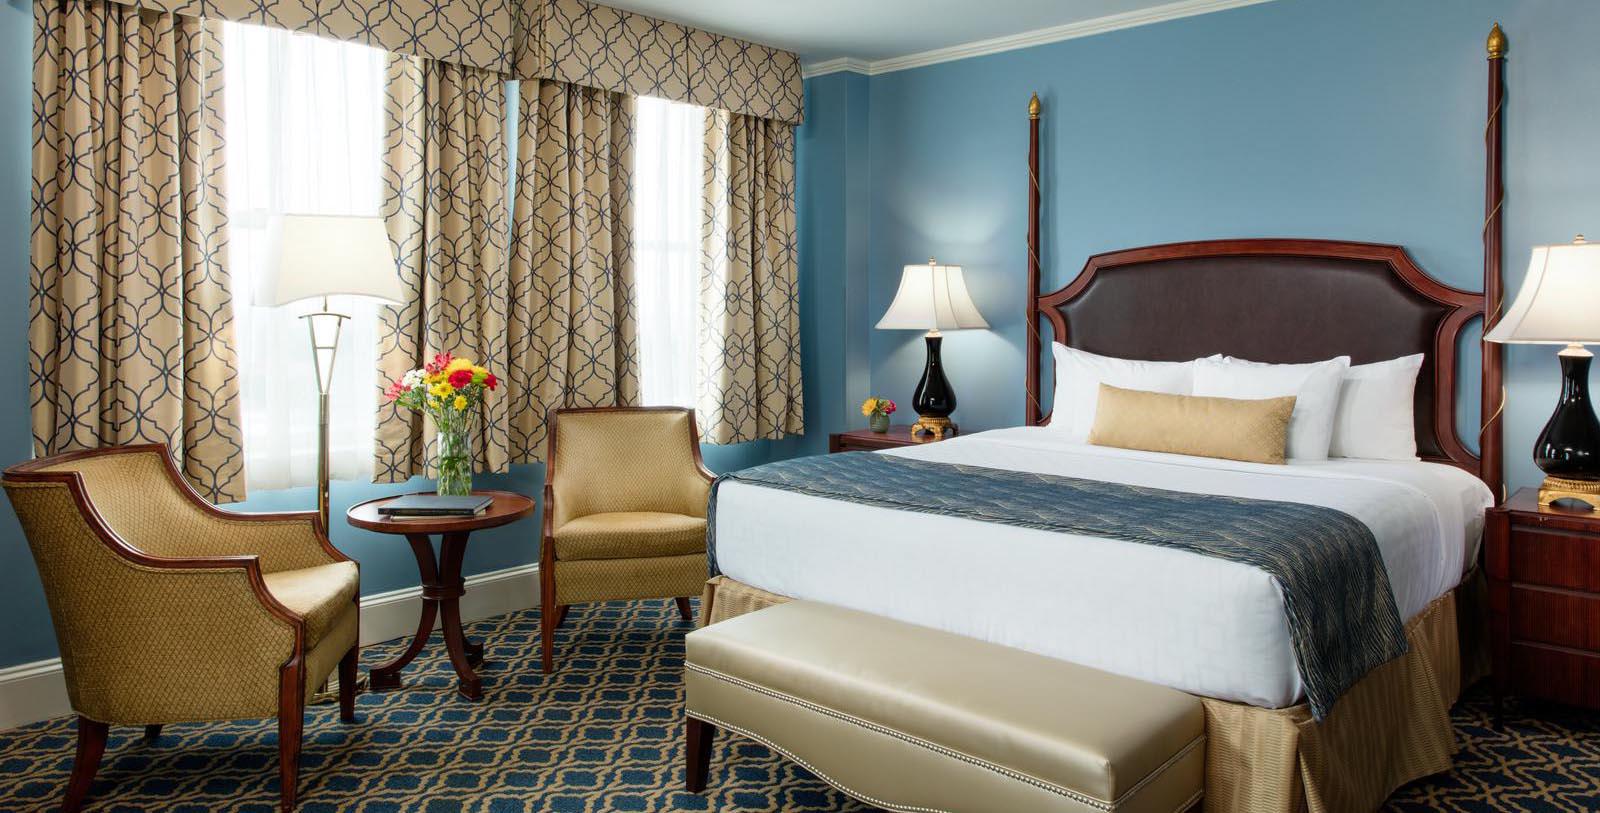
(1271, 300)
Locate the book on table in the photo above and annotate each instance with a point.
(435, 505)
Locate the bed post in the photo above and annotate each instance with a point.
(1491, 437)
(1034, 412)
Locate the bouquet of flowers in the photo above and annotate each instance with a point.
(449, 390)
(878, 411)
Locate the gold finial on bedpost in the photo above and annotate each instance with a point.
(1033, 107)
(1497, 42)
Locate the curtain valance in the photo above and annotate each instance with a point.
(597, 46)
(474, 33)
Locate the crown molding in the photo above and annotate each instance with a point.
(1028, 39)
(839, 65)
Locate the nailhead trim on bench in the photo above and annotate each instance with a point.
(1077, 796)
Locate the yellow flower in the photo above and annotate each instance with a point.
(442, 389)
(869, 406)
(461, 402)
(456, 364)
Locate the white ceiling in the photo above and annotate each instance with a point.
(873, 30)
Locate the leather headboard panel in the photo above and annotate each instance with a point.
(1281, 301)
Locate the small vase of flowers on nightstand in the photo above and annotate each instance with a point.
(877, 411)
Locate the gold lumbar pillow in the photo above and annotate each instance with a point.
(1254, 431)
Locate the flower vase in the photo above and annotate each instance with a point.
(879, 422)
(453, 445)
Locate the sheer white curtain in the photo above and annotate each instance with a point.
(304, 135)
(669, 145)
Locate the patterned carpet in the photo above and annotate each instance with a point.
(602, 734)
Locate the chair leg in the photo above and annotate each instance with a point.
(291, 723)
(152, 732)
(347, 684)
(91, 746)
(684, 610)
(697, 740)
(547, 631)
(561, 614)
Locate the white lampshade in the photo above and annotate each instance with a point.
(329, 255)
(932, 297)
(1559, 302)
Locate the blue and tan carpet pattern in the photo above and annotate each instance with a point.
(602, 734)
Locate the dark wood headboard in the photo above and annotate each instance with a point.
(1280, 301)
(1285, 301)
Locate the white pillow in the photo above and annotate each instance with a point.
(1315, 387)
(1080, 373)
(1375, 418)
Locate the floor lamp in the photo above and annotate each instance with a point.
(320, 256)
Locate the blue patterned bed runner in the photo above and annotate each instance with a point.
(1336, 594)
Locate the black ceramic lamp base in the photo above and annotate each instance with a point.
(934, 400)
(1568, 448)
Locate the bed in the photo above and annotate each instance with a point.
(1206, 626)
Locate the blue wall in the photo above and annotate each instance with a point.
(1357, 120)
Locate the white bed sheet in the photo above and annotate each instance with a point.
(1202, 625)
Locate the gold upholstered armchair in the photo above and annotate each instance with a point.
(624, 511)
(169, 610)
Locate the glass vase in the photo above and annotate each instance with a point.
(879, 422)
(453, 449)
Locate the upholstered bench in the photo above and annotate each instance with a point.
(909, 718)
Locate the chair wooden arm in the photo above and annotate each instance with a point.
(250, 522)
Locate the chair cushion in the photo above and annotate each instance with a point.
(319, 594)
(630, 534)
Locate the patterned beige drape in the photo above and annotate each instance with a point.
(131, 322)
(749, 288)
(573, 335)
(597, 46)
(444, 201)
(476, 33)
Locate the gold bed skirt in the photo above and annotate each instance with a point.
(1389, 729)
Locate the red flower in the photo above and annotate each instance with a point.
(491, 382)
(440, 361)
(460, 379)
(394, 391)
(888, 409)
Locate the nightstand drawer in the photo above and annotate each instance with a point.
(1556, 558)
(1558, 617)
(1543, 569)
(1562, 675)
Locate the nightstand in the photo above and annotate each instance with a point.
(866, 440)
(1543, 564)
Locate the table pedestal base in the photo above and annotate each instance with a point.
(442, 588)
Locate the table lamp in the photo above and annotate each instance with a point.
(934, 298)
(318, 256)
(1559, 303)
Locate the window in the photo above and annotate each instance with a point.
(669, 153)
(304, 134)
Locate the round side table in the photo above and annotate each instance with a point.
(442, 585)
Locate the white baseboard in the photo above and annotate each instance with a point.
(36, 691)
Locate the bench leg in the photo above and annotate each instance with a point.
(697, 738)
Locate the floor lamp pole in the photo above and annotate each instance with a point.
(324, 326)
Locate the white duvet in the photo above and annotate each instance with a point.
(1203, 625)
